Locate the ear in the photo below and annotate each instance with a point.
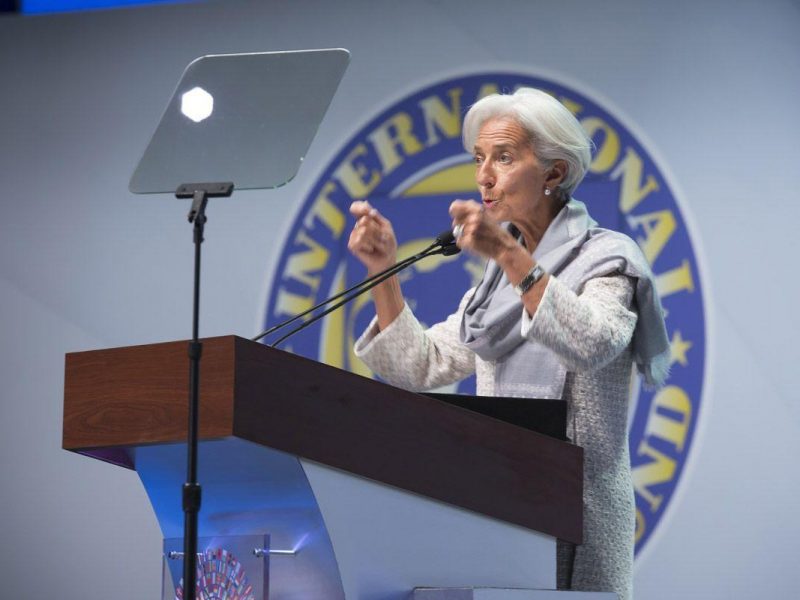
(556, 174)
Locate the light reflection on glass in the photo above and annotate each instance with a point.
(197, 104)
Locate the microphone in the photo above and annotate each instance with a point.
(444, 244)
(450, 249)
(446, 238)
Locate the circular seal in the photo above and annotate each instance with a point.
(220, 575)
(410, 163)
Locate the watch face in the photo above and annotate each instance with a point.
(520, 288)
(534, 275)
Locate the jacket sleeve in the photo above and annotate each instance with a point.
(411, 357)
(586, 330)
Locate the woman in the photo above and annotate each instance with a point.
(563, 311)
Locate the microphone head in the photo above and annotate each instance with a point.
(445, 238)
(450, 249)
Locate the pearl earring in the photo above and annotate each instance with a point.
(546, 191)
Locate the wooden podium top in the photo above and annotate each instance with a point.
(126, 397)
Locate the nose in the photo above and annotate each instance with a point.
(484, 175)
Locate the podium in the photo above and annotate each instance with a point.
(366, 491)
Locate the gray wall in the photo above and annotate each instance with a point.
(713, 86)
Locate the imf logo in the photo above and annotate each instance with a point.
(409, 162)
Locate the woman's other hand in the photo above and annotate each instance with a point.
(479, 233)
(372, 240)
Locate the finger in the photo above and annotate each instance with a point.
(457, 209)
(360, 246)
(460, 209)
(369, 237)
(382, 221)
(365, 212)
(370, 225)
(373, 216)
(360, 208)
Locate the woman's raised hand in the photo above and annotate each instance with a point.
(372, 240)
(477, 232)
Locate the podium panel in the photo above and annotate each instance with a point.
(248, 490)
(367, 491)
(388, 541)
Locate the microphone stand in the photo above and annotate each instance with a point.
(447, 249)
(443, 240)
(393, 269)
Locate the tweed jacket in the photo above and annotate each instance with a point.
(590, 331)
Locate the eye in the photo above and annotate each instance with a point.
(478, 159)
(505, 158)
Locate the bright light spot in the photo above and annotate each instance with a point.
(197, 104)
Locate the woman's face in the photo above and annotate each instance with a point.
(509, 176)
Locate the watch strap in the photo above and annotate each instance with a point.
(534, 275)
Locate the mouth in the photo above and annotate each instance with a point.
(488, 202)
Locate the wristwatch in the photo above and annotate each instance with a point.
(534, 275)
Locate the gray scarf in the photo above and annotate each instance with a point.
(575, 250)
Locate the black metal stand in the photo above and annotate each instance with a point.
(192, 492)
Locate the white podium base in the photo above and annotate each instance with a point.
(505, 594)
(388, 541)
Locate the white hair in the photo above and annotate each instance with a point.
(554, 133)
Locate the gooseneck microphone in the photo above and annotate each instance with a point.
(444, 244)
